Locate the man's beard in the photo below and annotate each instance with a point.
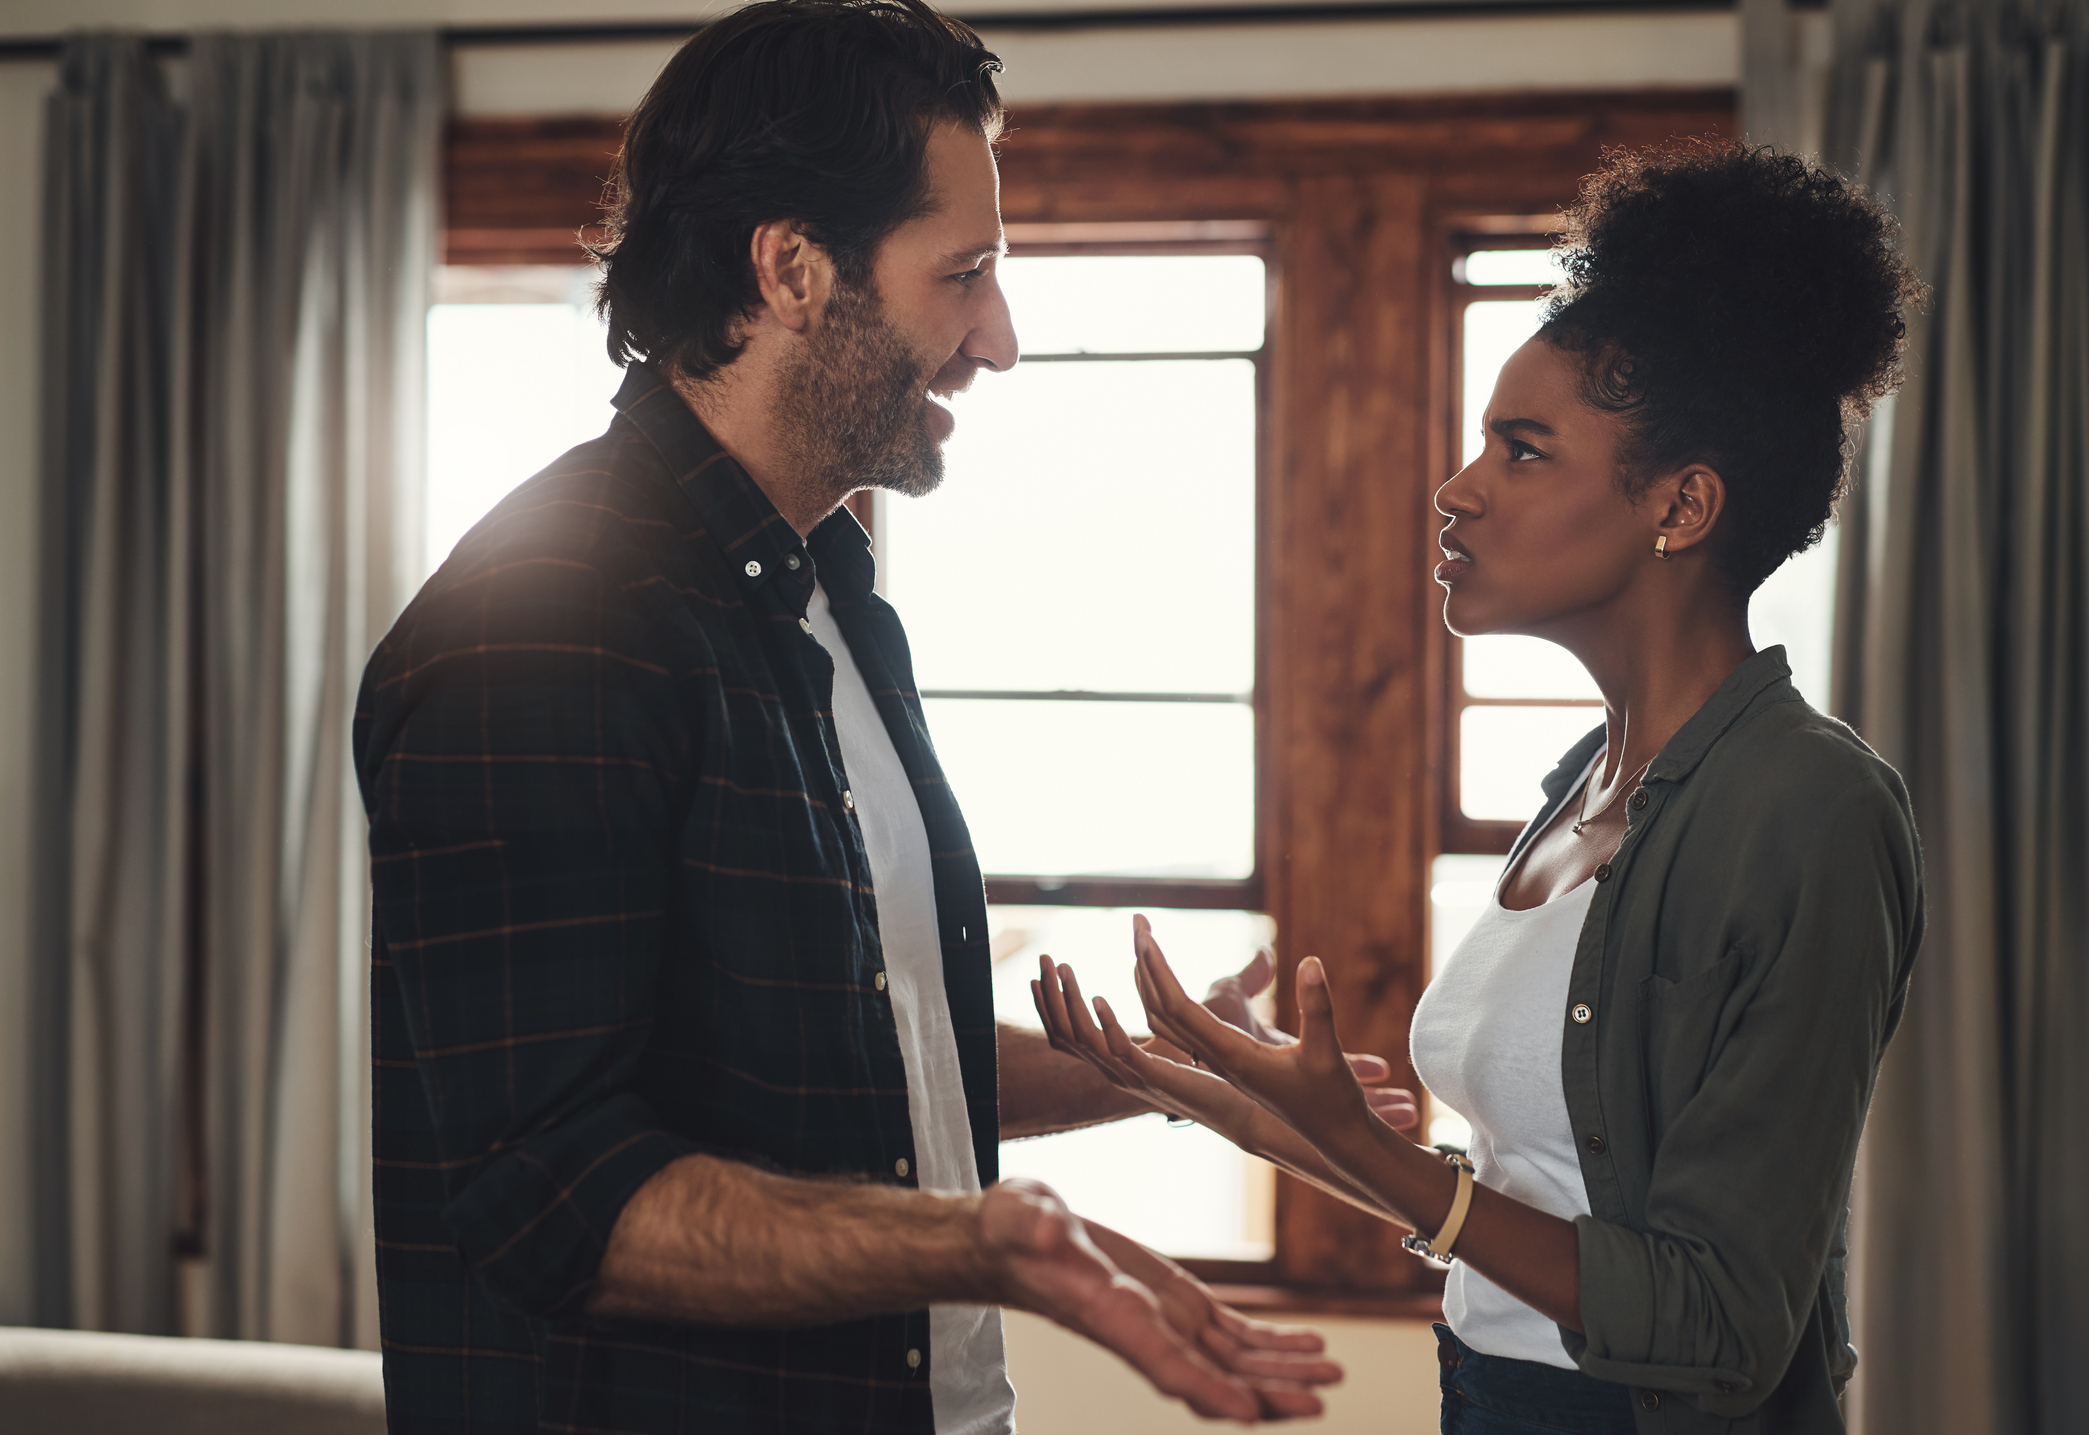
(854, 406)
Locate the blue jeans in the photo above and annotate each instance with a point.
(1495, 1395)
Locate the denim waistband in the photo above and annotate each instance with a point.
(1497, 1395)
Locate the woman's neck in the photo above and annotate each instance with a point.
(1656, 672)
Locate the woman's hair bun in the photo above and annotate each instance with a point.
(1739, 307)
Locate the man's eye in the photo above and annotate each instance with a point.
(969, 275)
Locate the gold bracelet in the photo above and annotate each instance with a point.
(1439, 1249)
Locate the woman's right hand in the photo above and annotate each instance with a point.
(1157, 1071)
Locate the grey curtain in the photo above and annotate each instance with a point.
(234, 323)
(1963, 656)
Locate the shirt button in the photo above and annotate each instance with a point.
(913, 1360)
(806, 624)
(848, 801)
(1596, 1146)
(1639, 799)
(1581, 1013)
(900, 1167)
(792, 561)
(1603, 873)
(1648, 1400)
(878, 981)
(753, 569)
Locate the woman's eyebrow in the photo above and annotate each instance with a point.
(1509, 428)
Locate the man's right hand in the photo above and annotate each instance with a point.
(1046, 1263)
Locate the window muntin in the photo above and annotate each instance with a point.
(1081, 590)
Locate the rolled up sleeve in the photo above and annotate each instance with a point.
(1751, 1177)
(520, 782)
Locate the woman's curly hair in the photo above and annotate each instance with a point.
(1740, 308)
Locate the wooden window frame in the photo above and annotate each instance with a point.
(1466, 234)
(1358, 205)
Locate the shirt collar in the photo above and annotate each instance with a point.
(762, 549)
(1758, 674)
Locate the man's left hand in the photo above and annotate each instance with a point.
(1282, 1364)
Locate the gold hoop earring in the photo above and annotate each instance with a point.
(1661, 547)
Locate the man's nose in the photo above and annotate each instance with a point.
(992, 341)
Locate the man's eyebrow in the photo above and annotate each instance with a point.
(970, 254)
(1509, 428)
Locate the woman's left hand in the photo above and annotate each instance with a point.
(1308, 1083)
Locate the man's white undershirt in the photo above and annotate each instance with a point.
(968, 1368)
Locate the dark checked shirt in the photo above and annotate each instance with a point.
(622, 914)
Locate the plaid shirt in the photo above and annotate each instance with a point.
(623, 914)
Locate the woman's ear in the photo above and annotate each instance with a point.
(1686, 507)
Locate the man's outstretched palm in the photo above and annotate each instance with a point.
(1050, 1266)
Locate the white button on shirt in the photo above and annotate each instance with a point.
(968, 1368)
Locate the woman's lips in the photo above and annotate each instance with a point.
(1454, 566)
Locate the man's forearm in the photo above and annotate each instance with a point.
(720, 1242)
(1043, 1090)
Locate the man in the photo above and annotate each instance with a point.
(687, 1079)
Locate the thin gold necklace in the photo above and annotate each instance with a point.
(1587, 816)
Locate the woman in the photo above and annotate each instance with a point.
(1666, 1029)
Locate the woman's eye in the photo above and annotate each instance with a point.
(1519, 450)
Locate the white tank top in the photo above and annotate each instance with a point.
(1486, 1041)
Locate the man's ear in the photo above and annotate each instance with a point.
(794, 275)
(1687, 506)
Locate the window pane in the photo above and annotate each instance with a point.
(1181, 1190)
(1494, 329)
(1512, 266)
(510, 388)
(1063, 788)
(1501, 665)
(1096, 530)
(1505, 753)
(1135, 304)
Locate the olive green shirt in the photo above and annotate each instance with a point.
(1743, 964)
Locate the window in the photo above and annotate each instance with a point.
(1080, 599)
(1517, 703)
(518, 372)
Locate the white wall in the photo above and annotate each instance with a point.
(1064, 1386)
(1258, 61)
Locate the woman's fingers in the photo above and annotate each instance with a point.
(1395, 1107)
(1051, 1007)
(1090, 1038)
(1178, 1017)
(1320, 1043)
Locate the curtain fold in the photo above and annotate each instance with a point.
(1963, 656)
(206, 646)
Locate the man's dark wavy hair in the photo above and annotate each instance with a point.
(817, 111)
